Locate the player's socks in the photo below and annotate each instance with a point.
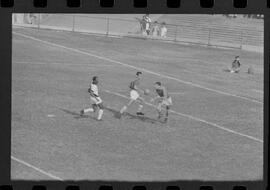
(166, 119)
(167, 115)
(123, 109)
(88, 110)
(140, 113)
(100, 113)
(140, 108)
(81, 112)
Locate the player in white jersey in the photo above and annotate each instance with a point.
(95, 99)
(135, 95)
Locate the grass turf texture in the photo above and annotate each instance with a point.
(48, 80)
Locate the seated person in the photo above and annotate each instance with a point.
(236, 65)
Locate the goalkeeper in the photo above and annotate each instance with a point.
(163, 99)
(236, 65)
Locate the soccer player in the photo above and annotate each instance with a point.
(134, 95)
(163, 99)
(95, 99)
(235, 65)
(147, 22)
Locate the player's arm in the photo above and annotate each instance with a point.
(91, 92)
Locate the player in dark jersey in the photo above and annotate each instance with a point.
(95, 99)
(163, 99)
(135, 95)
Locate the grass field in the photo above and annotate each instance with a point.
(214, 132)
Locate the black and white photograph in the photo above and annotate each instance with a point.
(137, 97)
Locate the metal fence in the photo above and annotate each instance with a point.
(219, 36)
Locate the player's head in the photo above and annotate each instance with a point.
(237, 57)
(157, 84)
(95, 80)
(138, 74)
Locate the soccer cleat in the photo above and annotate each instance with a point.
(81, 113)
(118, 115)
(165, 120)
(140, 113)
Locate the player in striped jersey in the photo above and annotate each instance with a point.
(134, 95)
(95, 99)
(163, 99)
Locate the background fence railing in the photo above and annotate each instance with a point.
(211, 36)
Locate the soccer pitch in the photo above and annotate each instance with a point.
(215, 127)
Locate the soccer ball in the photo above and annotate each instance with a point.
(146, 91)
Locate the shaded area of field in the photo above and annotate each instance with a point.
(49, 87)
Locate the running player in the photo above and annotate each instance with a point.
(134, 95)
(95, 99)
(163, 99)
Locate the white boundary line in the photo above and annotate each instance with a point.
(37, 169)
(157, 74)
(196, 119)
(259, 91)
(137, 68)
(58, 63)
(176, 93)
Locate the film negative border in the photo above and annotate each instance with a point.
(136, 3)
(119, 6)
(138, 6)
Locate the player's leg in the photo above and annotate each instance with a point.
(100, 106)
(237, 70)
(159, 109)
(141, 102)
(166, 114)
(100, 111)
(124, 108)
(95, 101)
(133, 97)
(92, 109)
(167, 103)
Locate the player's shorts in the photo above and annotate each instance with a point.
(147, 26)
(166, 102)
(96, 100)
(134, 95)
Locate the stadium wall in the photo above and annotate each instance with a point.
(215, 36)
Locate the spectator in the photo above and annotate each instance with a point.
(236, 65)
(146, 23)
(163, 30)
(155, 29)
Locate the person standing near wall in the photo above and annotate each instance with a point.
(163, 30)
(147, 22)
(155, 29)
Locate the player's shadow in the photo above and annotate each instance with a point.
(76, 114)
(227, 70)
(117, 115)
